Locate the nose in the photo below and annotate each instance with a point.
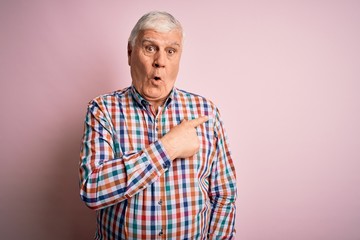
(159, 60)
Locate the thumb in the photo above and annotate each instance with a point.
(198, 121)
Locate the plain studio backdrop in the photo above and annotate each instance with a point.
(285, 75)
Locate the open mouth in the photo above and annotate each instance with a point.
(157, 78)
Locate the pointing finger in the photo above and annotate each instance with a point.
(198, 121)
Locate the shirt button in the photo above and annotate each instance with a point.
(160, 202)
(161, 232)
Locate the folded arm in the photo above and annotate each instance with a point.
(107, 178)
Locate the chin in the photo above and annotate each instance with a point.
(153, 95)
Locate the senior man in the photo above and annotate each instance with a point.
(155, 162)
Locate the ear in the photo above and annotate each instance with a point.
(129, 51)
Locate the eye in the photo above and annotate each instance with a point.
(171, 51)
(150, 48)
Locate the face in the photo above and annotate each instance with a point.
(154, 63)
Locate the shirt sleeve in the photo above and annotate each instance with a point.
(106, 179)
(223, 190)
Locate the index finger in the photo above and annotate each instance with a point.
(197, 121)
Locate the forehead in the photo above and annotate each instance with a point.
(173, 37)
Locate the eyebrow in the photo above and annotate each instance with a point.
(152, 40)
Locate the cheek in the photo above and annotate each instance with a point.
(140, 63)
(139, 70)
(175, 70)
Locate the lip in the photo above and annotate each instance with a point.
(156, 77)
(156, 80)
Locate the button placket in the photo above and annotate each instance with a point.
(160, 202)
(156, 125)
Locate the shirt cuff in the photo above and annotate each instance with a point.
(159, 157)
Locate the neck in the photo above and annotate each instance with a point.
(155, 108)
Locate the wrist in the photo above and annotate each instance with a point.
(169, 147)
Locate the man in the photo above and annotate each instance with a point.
(155, 162)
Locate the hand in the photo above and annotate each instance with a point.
(182, 140)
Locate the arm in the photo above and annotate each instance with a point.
(106, 179)
(222, 189)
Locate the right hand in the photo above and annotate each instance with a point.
(182, 140)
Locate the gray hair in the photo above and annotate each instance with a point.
(155, 20)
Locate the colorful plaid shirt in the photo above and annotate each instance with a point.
(138, 192)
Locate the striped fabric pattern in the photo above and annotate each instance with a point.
(137, 191)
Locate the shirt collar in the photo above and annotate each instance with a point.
(143, 102)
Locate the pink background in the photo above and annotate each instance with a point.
(285, 75)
